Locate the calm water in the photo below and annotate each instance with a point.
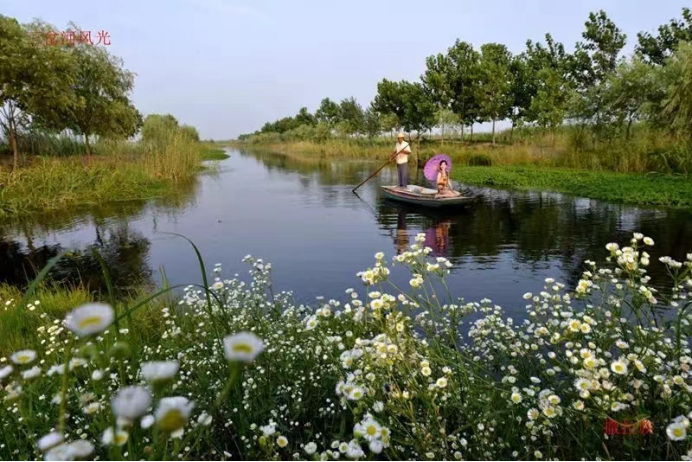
(304, 219)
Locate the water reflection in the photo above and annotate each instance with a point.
(303, 217)
(124, 251)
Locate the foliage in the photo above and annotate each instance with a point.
(656, 49)
(493, 96)
(677, 105)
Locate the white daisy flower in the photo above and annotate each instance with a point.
(243, 347)
(49, 441)
(619, 367)
(282, 441)
(119, 438)
(159, 371)
(81, 449)
(23, 357)
(173, 413)
(147, 421)
(131, 402)
(676, 431)
(5, 372)
(89, 319)
(31, 373)
(310, 448)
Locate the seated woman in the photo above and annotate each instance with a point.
(443, 189)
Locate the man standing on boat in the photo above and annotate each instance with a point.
(402, 151)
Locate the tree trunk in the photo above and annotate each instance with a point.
(15, 147)
(472, 132)
(493, 131)
(88, 148)
(443, 135)
(511, 132)
(462, 133)
(629, 126)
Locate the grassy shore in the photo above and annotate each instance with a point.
(120, 171)
(534, 164)
(630, 188)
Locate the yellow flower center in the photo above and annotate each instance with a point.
(371, 430)
(172, 421)
(677, 432)
(120, 438)
(242, 348)
(89, 321)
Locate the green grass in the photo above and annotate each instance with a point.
(122, 171)
(18, 326)
(212, 153)
(640, 189)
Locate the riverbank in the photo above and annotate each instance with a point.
(517, 166)
(119, 172)
(244, 371)
(629, 188)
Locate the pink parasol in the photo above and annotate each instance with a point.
(432, 166)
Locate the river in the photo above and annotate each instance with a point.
(303, 218)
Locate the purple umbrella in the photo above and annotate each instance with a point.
(432, 166)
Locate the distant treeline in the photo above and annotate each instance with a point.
(594, 89)
(52, 93)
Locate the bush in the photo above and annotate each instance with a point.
(480, 160)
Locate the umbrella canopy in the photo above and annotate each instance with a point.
(432, 166)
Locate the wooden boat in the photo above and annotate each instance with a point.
(424, 197)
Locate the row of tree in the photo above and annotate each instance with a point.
(594, 86)
(79, 88)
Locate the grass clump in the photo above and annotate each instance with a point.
(241, 372)
(122, 171)
(213, 153)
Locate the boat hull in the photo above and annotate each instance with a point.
(422, 197)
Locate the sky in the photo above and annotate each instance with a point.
(228, 66)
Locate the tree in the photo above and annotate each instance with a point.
(436, 80)
(521, 90)
(656, 49)
(419, 109)
(390, 100)
(463, 79)
(352, 116)
(158, 128)
(446, 118)
(328, 112)
(305, 118)
(35, 79)
(604, 41)
(550, 103)
(372, 123)
(677, 104)
(102, 87)
(390, 122)
(493, 92)
(630, 88)
(190, 132)
(592, 63)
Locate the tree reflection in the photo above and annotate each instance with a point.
(540, 230)
(125, 253)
